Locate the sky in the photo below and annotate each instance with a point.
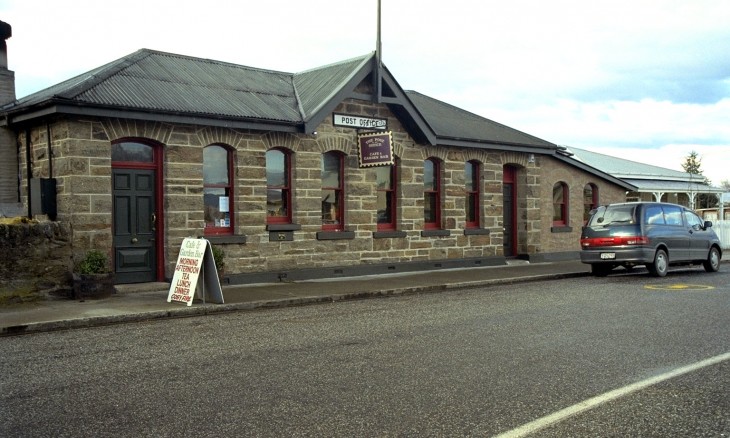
(644, 80)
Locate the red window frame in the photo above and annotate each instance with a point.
(228, 189)
(589, 201)
(432, 195)
(560, 204)
(472, 188)
(286, 189)
(333, 213)
(391, 200)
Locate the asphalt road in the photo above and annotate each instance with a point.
(475, 362)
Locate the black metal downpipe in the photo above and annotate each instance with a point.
(50, 151)
(29, 171)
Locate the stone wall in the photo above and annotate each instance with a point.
(36, 258)
(560, 239)
(80, 151)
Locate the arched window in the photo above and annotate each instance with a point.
(432, 194)
(333, 191)
(472, 189)
(387, 182)
(278, 187)
(129, 151)
(218, 189)
(560, 204)
(590, 200)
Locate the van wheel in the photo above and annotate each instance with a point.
(712, 264)
(660, 265)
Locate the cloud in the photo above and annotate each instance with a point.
(618, 74)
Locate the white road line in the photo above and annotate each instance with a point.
(591, 403)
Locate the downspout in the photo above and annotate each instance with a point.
(50, 151)
(18, 172)
(28, 170)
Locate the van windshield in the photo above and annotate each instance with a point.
(613, 214)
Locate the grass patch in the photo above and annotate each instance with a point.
(19, 296)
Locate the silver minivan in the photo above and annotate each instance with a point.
(653, 234)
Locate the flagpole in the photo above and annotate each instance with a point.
(379, 47)
(378, 61)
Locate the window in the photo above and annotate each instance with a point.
(693, 220)
(333, 193)
(132, 152)
(386, 182)
(472, 189)
(560, 204)
(217, 190)
(654, 215)
(672, 214)
(432, 194)
(278, 187)
(590, 200)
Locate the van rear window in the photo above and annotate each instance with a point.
(613, 214)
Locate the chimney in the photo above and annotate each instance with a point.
(7, 77)
(9, 171)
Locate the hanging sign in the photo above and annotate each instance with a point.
(359, 122)
(195, 258)
(375, 149)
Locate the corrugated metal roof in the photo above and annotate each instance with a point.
(646, 177)
(157, 81)
(165, 83)
(317, 86)
(654, 185)
(623, 168)
(455, 123)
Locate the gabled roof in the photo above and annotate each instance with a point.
(160, 86)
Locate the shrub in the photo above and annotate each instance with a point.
(93, 263)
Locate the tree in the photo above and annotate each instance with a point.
(725, 184)
(693, 165)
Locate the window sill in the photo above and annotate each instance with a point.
(283, 227)
(561, 229)
(229, 239)
(335, 235)
(476, 231)
(435, 233)
(389, 234)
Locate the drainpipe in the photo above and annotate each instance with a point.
(50, 152)
(18, 172)
(28, 170)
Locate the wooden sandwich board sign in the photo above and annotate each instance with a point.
(195, 258)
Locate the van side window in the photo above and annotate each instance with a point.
(654, 215)
(693, 220)
(672, 214)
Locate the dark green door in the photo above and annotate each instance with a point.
(135, 259)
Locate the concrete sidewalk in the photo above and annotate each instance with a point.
(148, 301)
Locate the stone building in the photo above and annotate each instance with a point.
(333, 171)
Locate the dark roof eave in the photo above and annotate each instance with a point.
(501, 146)
(52, 108)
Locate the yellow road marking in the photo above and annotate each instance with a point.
(678, 286)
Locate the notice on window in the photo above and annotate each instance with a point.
(195, 267)
(223, 204)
